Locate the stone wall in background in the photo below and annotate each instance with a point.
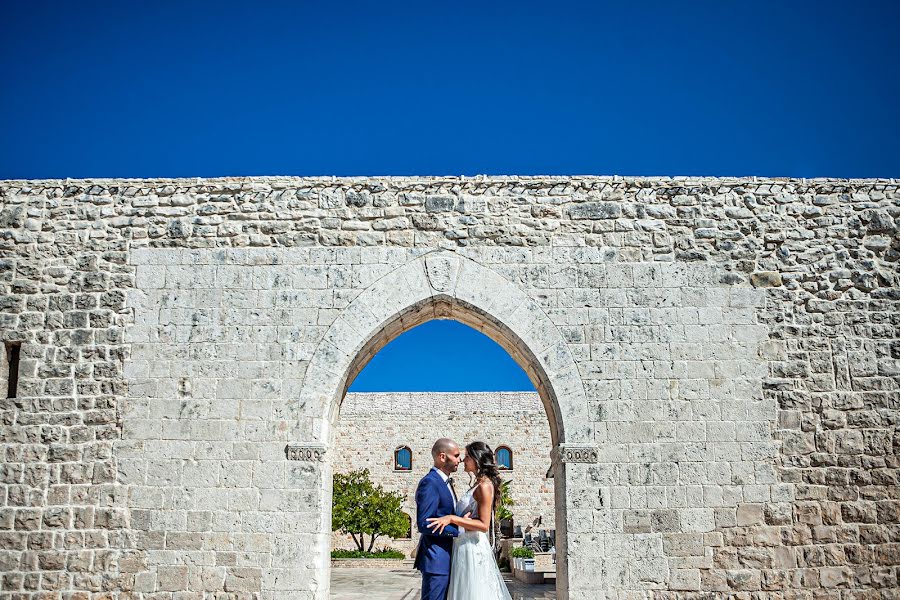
(373, 425)
(736, 339)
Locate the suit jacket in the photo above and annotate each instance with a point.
(433, 499)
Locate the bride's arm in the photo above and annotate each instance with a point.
(484, 496)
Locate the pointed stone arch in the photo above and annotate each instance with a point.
(445, 285)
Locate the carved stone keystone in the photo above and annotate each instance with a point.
(442, 272)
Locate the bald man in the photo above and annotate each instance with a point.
(435, 498)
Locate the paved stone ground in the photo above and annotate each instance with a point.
(403, 584)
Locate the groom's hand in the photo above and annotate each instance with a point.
(437, 524)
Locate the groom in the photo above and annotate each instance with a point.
(435, 498)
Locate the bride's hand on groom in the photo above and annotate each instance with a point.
(437, 524)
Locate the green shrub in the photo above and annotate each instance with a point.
(383, 553)
(361, 508)
(521, 552)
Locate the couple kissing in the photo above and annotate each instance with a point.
(454, 554)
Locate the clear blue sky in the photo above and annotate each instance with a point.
(164, 88)
(187, 89)
(442, 356)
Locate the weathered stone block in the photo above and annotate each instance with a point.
(595, 210)
(243, 579)
(765, 279)
(171, 578)
(743, 580)
(440, 203)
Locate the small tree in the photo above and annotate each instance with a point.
(362, 508)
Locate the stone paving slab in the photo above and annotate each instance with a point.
(403, 584)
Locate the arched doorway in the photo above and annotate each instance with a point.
(440, 379)
(443, 285)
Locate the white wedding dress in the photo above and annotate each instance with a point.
(473, 571)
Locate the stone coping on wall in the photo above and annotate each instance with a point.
(292, 179)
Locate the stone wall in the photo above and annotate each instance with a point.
(736, 343)
(373, 425)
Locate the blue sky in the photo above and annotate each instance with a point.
(442, 356)
(188, 89)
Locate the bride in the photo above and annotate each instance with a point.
(473, 573)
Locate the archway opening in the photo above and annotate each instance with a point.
(386, 421)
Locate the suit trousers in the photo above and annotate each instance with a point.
(434, 586)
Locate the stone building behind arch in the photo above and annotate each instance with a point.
(718, 359)
(373, 425)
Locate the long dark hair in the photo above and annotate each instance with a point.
(485, 465)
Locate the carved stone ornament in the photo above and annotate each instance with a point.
(578, 454)
(441, 271)
(305, 452)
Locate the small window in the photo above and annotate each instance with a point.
(504, 458)
(12, 366)
(403, 459)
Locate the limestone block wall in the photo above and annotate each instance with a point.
(373, 425)
(735, 340)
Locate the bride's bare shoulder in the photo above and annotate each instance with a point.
(484, 488)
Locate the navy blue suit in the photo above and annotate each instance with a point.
(434, 499)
